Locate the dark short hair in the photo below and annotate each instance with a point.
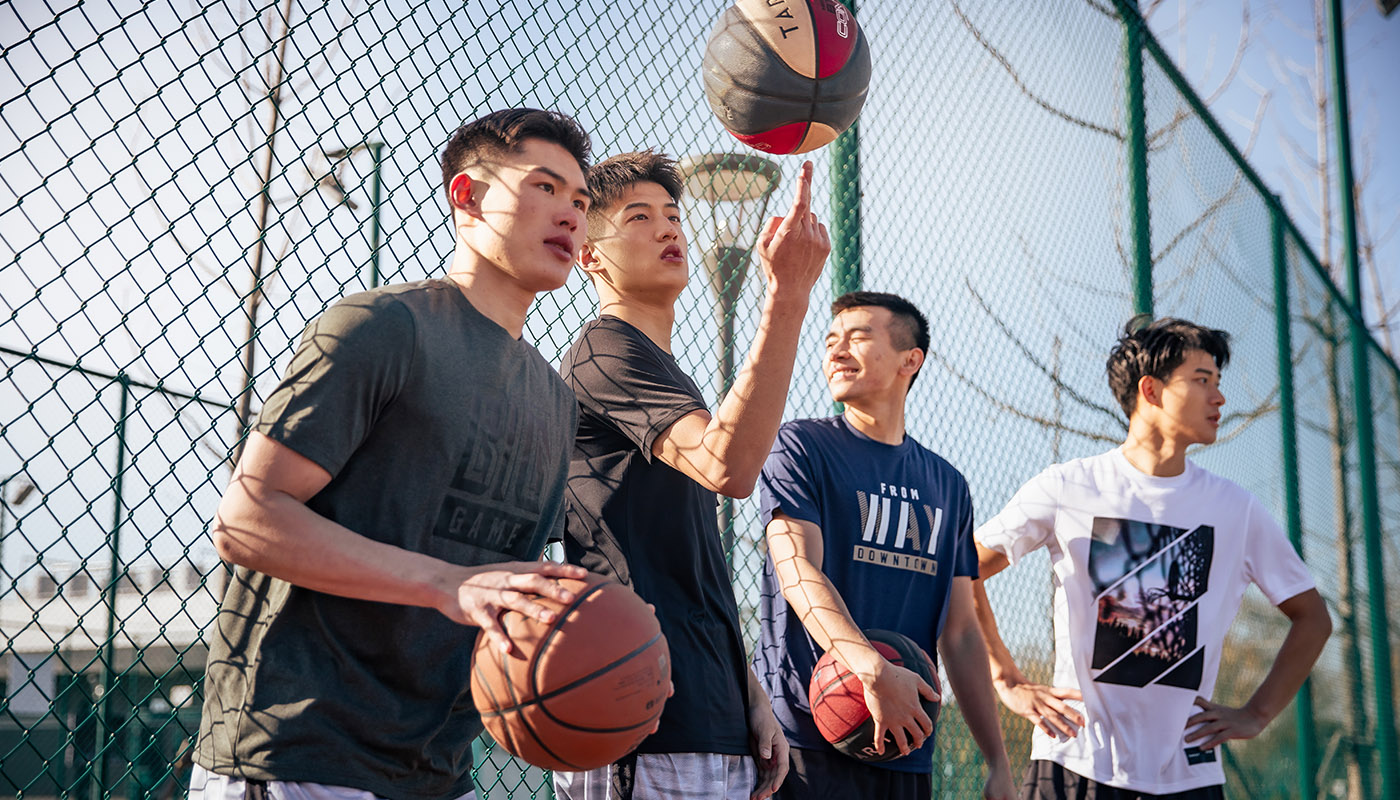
(910, 326)
(1156, 348)
(507, 131)
(607, 180)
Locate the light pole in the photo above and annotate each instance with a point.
(333, 186)
(735, 189)
(25, 487)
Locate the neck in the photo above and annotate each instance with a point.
(883, 422)
(493, 293)
(1153, 452)
(655, 319)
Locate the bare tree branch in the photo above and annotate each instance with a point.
(1035, 361)
(1020, 84)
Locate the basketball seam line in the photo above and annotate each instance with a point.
(574, 684)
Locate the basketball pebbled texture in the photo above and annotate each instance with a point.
(838, 699)
(786, 76)
(580, 692)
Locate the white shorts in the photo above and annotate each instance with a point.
(206, 785)
(663, 776)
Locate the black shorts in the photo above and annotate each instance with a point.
(1047, 780)
(828, 775)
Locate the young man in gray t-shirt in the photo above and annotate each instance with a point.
(395, 495)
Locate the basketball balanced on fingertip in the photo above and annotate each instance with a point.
(786, 76)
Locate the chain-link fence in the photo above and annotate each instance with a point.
(186, 184)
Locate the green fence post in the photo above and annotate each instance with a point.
(376, 150)
(1283, 323)
(1139, 222)
(106, 653)
(845, 207)
(1385, 743)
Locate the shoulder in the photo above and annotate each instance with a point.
(1224, 489)
(606, 339)
(806, 434)
(379, 317)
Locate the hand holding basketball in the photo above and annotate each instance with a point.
(894, 695)
(483, 593)
(904, 690)
(793, 249)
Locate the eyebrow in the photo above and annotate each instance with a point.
(644, 204)
(556, 176)
(852, 329)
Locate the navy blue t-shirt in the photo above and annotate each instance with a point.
(896, 524)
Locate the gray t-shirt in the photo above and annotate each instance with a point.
(444, 436)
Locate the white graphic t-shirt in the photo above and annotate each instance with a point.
(1148, 574)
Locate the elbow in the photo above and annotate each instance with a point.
(1324, 623)
(733, 480)
(736, 487)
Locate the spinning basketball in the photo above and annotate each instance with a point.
(838, 699)
(580, 692)
(786, 76)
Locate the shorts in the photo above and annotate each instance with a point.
(206, 785)
(663, 776)
(1047, 780)
(826, 774)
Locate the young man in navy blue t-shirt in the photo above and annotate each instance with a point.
(869, 529)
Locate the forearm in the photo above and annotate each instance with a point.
(1307, 635)
(825, 616)
(278, 535)
(744, 426)
(1002, 666)
(965, 659)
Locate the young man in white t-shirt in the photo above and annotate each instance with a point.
(1150, 556)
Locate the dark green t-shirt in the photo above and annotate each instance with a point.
(444, 436)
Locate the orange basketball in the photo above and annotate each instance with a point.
(582, 691)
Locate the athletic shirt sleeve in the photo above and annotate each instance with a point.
(625, 380)
(966, 564)
(785, 483)
(1270, 561)
(351, 363)
(1027, 522)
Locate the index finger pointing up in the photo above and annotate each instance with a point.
(802, 197)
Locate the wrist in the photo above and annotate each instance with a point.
(787, 297)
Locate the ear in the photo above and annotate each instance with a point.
(466, 194)
(913, 360)
(588, 260)
(1149, 391)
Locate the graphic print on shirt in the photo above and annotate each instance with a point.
(495, 496)
(1148, 583)
(897, 529)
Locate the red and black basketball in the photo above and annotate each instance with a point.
(582, 691)
(786, 76)
(838, 699)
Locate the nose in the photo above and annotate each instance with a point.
(571, 217)
(670, 231)
(1219, 399)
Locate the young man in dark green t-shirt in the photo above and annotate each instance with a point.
(395, 495)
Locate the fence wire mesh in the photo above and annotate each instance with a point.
(186, 184)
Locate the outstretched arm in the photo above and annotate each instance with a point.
(263, 523)
(1307, 634)
(965, 658)
(891, 692)
(725, 453)
(1043, 705)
